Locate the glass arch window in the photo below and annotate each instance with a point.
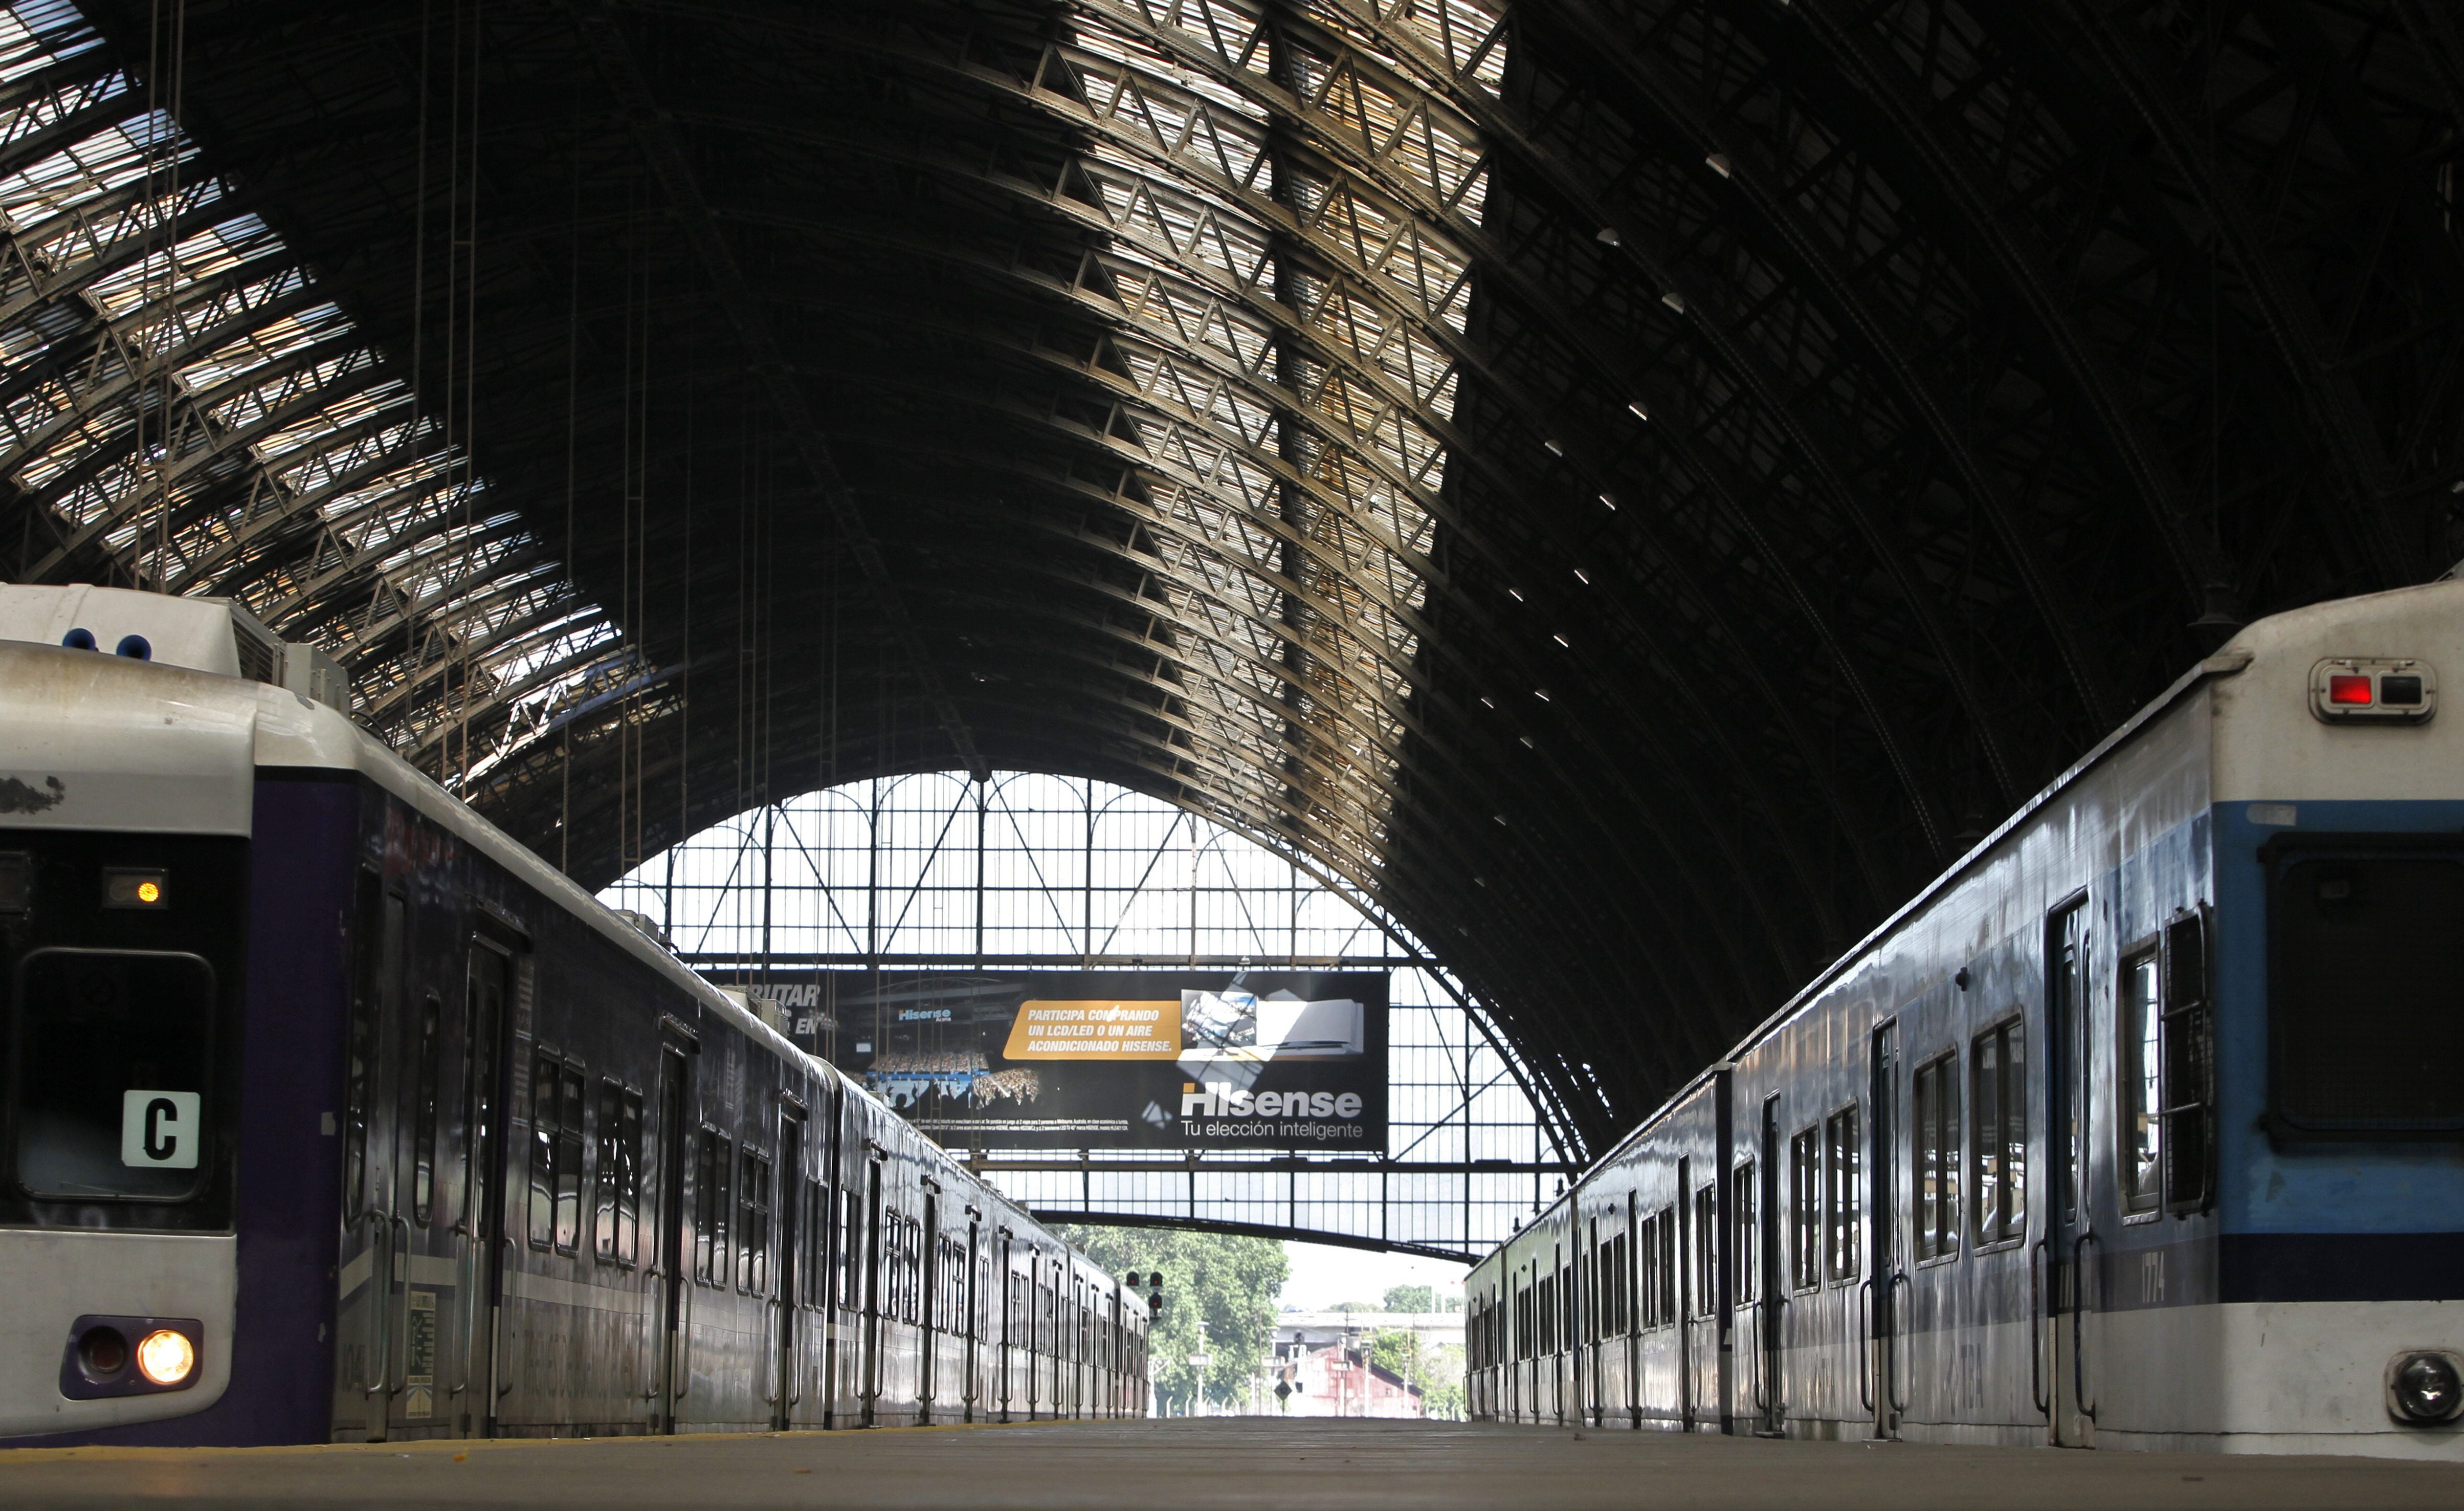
(1036, 871)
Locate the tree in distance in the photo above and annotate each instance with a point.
(1230, 1282)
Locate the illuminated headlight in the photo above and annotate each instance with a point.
(116, 1356)
(167, 1358)
(2426, 1388)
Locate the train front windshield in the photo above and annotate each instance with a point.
(120, 962)
(2367, 993)
(114, 1057)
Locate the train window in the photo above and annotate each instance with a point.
(1844, 1196)
(544, 1103)
(423, 1125)
(571, 1119)
(753, 1223)
(1743, 1273)
(714, 1162)
(1669, 1263)
(483, 1018)
(616, 1197)
(369, 934)
(851, 1250)
(2189, 1056)
(2141, 1041)
(1934, 1110)
(115, 1054)
(1805, 1208)
(1623, 1271)
(1999, 1063)
(1649, 1234)
(813, 1270)
(1706, 1251)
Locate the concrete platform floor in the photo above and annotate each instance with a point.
(1197, 1466)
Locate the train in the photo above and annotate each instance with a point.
(2141, 1126)
(334, 1114)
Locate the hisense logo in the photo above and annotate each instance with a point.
(1220, 1099)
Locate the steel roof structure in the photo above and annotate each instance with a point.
(1632, 488)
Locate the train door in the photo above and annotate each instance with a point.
(1008, 1325)
(1884, 1277)
(668, 1266)
(974, 1317)
(870, 1366)
(2070, 1233)
(364, 1314)
(480, 1230)
(788, 1380)
(1684, 1210)
(1770, 1358)
(928, 1349)
(1630, 1308)
(1589, 1259)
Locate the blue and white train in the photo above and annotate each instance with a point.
(2142, 1126)
(329, 1112)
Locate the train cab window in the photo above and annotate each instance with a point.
(616, 1197)
(2140, 1087)
(1844, 1196)
(1805, 1208)
(1998, 1066)
(1934, 1110)
(1744, 1272)
(114, 1053)
(2364, 999)
(557, 1124)
(753, 1223)
(714, 1162)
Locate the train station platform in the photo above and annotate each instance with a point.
(1198, 1465)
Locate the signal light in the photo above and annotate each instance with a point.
(2348, 690)
(135, 889)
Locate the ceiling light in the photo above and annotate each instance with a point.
(1583, 577)
(1674, 301)
(1608, 237)
(1562, 640)
(1540, 693)
(1644, 416)
(1554, 450)
(1611, 502)
(1718, 163)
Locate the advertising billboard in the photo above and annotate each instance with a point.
(1016, 1060)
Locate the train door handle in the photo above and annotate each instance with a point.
(2078, 1323)
(504, 1370)
(1865, 1342)
(396, 1353)
(680, 1376)
(2036, 1328)
(381, 1300)
(1892, 1375)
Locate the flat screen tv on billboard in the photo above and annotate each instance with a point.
(1260, 1059)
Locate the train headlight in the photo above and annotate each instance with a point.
(2426, 1388)
(167, 1358)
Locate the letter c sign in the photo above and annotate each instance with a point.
(159, 1130)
